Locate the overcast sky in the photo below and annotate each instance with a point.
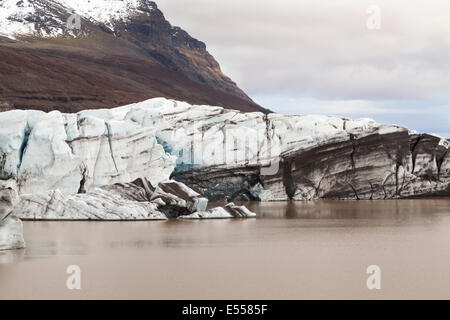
(311, 56)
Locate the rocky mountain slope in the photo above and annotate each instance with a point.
(224, 154)
(118, 52)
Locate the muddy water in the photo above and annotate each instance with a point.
(291, 251)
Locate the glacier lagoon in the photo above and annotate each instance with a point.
(293, 250)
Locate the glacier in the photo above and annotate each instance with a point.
(77, 152)
(85, 165)
(231, 155)
(226, 154)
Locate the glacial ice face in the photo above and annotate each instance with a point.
(231, 155)
(77, 152)
(226, 154)
(204, 136)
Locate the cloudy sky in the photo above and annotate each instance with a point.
(310, 56)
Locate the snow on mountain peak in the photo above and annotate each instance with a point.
(12, 17)
(106, 11)
(48, 18)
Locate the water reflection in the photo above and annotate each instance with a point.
(48, 239)
(296, 250)
(400, 209)
(53, 247)
(11, 256)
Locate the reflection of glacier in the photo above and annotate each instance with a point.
(11, 256)
(11, 236)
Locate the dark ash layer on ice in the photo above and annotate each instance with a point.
(377, 166)
(138, 200)
(233, 156)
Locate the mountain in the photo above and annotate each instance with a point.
(71, 55)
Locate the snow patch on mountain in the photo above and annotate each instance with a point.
(40, 18)
(108, 11)
(13, 14)
(49, 18)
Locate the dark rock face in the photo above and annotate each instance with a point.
(394, 165)
(109, 65)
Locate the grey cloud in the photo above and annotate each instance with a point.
(323, 49)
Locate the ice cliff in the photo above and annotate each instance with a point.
(231, 155)
(225, 154)
(77, 152)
